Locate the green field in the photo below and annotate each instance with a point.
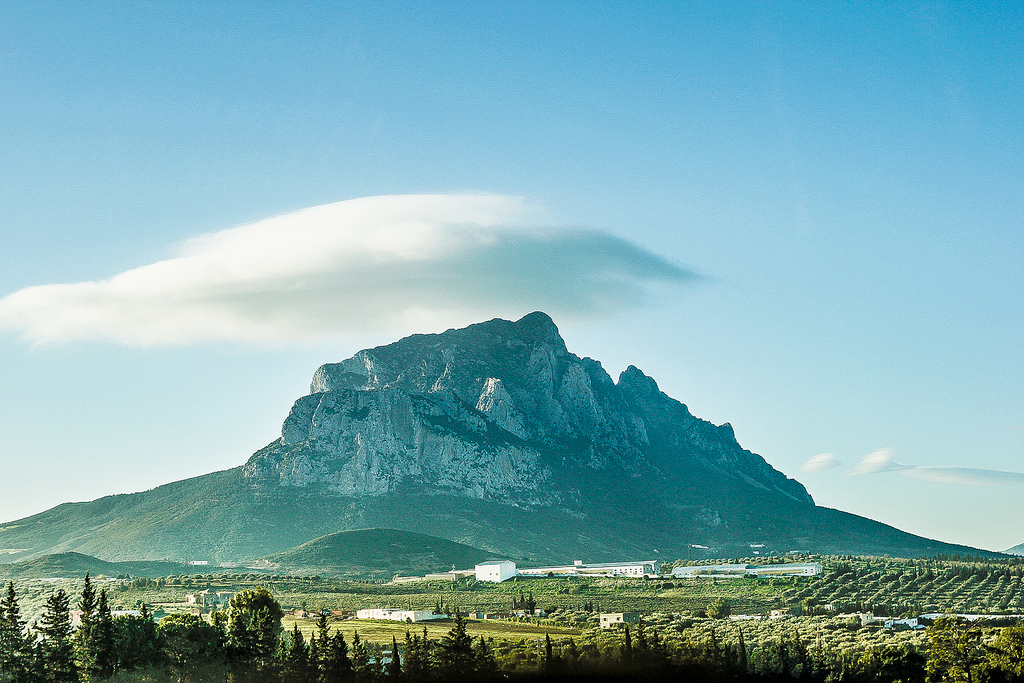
(849, 584)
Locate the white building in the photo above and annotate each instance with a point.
(578, 568)
(734, 570)
(388, 614)
(619, 619)
(496, 571)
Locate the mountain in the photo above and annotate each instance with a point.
(377, 553)
(75, 565)
(1015, 550)
(493, 435)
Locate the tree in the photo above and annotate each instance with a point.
(86, 629)
(102, 658)
(137, 641)
(254, 625)
(15, 647)
(1007, 652)
(955, 650)
(719, 609)
(394, 668)
(56, 648)
(362, 667)
(416, 664)
(190, 642)
(455, 651)
(336, 663)
(296, 662)
(486, 666)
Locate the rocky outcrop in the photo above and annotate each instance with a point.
(498, 411)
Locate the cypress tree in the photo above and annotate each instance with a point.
(394, 670)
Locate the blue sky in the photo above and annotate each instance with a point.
(843, 179)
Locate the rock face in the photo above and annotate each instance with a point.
(498, 411)
(494, 436)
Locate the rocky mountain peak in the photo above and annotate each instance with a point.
(632, 379)
(499, 410)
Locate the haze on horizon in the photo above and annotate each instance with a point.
(802, 221)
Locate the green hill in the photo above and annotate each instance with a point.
(74, 565)
(377, 553)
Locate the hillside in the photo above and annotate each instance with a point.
(377, 553)
(76, 565)
(1015, 550)
(494, 436)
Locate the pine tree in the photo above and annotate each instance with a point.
(361, 666)
(296, 664)
(104, 656)
(337, 665)
(56, 649)
(627, 647)
(15, 647)
(484, 663)
(84, 650)
(455, 651)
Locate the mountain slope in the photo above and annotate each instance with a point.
(492, 435)
(75, 565)
(378, 553)
(1015, 550)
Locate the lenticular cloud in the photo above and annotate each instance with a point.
(364, 265)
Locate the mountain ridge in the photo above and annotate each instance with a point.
(493, 435)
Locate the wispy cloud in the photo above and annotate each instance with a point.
(385, 263)
(821, 463)
(964, 476)
(877, 461)
(882, 461)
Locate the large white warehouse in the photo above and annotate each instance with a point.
(496, 571)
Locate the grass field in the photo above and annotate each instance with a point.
(381, 631)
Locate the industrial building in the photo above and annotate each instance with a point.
(735, 570)
(388, 614)
(578, 568)
(496, 571)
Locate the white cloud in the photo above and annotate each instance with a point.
(964, 476)
(821, 462)
(882, 461)
(876, 461)
(385, 263)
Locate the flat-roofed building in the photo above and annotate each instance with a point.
(615, 619)
(388, 614)
(636, 568)
(495, 571)
(734, 570)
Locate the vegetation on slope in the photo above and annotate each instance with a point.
(67, 565)
(378, 553)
